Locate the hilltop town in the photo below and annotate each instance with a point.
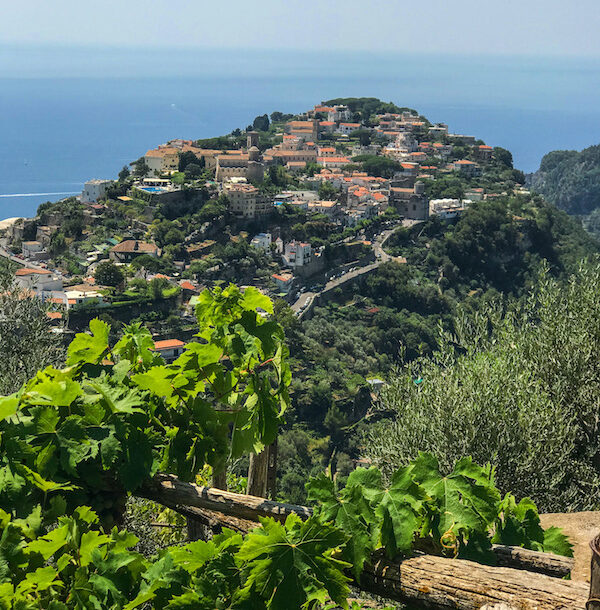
(295, 205)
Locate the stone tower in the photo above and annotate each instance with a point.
(252, 139)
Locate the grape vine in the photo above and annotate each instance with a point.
(74, 442)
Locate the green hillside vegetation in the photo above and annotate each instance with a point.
(78, 441)
(365, 107)
(515, 385)
(497, 248)
(570, 179)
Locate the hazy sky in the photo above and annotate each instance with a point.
(512, 27)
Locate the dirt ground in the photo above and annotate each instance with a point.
(580, 528)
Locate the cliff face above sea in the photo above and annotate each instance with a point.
(570, 180)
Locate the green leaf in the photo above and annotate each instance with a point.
(556, 542)
(478, 548)
(160, 380)
(39, 580)
(89, 348)
(90, 541)
(466, 498)
(519, 524)
(52, 387)
(352, 511)
(254, 299)
(193, 556)
(402, 509)
(110, 450)
(76, 445)
(199, 355)
(292, 565)
(49, 544)
(137, 347)
(120, 399)
(138, 463)
(8, 405)
(40, 482)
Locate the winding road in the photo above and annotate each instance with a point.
(304, 301)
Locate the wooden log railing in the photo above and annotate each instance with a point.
(435, 582)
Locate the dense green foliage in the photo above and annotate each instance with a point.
(365, 107)
(516, 386)
(454, 514)
(108, 274)
(117, 414)
(27, 345)
(497, 244)
(392, 316)
(376, 165)
(570, 179)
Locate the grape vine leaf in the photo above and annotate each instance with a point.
(556, 542)
(52, 387)
(466, 498)
(254, 299)
(352, 510)
(519, 525)
(89, 348)
(8, 405)
(292, 565)
(120, 399)
(401, 507)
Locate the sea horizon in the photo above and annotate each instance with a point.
(59, 131)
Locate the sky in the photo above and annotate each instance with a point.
(464, 27)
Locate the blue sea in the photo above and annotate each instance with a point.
(69, 115)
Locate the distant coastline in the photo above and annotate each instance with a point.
(519, 104)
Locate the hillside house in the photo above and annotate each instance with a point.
(38, 280)
(169, 349)
(94, 190)
(283, 281)
(163, 159)
(297, 254)
(129, 249)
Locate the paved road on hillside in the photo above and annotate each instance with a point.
(305, 300)
(20, 261)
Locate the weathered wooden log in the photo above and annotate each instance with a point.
(593, 602)
(432, 582)
(533, 561)
(272, 471)
(441, 583)
(257, 473)
(172, 492)
(168, 489)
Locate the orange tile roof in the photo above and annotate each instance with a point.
(162, 152)
(24, 271)
(333, 160)
(168, 344)
(188, 286)
(54, 315)
(282, 278)
(134, 245)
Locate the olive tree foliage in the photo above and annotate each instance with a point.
(26, 343)
(518, 386)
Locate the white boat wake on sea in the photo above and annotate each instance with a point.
(37, 194)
